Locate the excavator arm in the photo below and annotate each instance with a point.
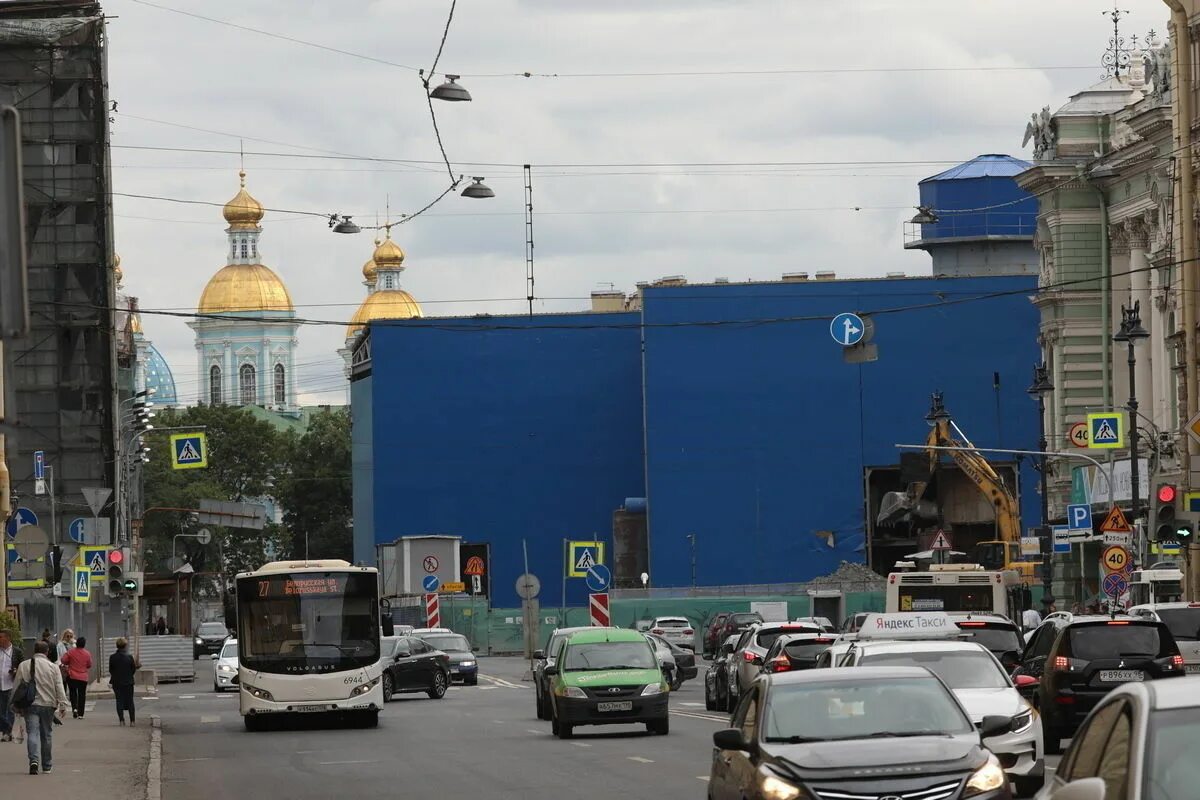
(986, 479)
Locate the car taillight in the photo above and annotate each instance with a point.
(779, 664)
(1062, 662)
(1118, 622)
(971, 624)
(822, 641)
(747, 655)
(658, 631)
(1177, 661)
(688, 632)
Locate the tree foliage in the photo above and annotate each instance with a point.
(315, 491)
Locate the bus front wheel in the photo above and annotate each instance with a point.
(253, 723)
(369, 719)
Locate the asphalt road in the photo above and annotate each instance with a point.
(479, 741)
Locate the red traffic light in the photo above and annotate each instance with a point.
(116, 556)
(1166, 493)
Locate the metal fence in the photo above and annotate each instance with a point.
(170, 657)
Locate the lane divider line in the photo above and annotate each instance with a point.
(640, 760)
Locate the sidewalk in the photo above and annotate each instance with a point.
(93, 757)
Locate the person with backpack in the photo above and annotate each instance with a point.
(38, 694)
(10, 659)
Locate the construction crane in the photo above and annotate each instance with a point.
(1003, 552)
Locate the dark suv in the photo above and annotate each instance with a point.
(738, 622)
(1078, 660)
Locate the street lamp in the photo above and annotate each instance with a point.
(342, 224)
(1131, 332)
(478, 190)
(1041, 387)
(450, 90)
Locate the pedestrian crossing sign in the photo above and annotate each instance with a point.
(83, 585)
(189, 451)
(1106, 430)
(582, 556)
(95, 560)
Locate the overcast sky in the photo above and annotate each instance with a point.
(595, 226)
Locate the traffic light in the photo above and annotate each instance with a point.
(133, 583)
(118, 561)
(1166, 523)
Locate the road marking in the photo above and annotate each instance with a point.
(531, 730)
(187, 697)
(693, 705)
(209, 719)
(502, 682)
(581, 744)
(338, 763)
(143, 699)
(702, 778)
(640, 760)
(498, 721)
(218, 697)
(705, 717)
(181, 760)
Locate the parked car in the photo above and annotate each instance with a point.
(739, 622)
(209, 638)
(794, 651)
(412, 665)
(753, 646)
(1079, 660)
(543, 658)
(463, 664)
(716, 677)
(607, 676)
(713, 628)
(225, 666)
(984, 689)
(997, 633)
(676, 630)
(1184, 621)
(884, 732)
(1138, 743)
(683, 661)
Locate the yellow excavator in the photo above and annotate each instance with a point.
(1004, 552)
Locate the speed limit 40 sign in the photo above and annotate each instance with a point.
(1114, 558)
(1078, 435)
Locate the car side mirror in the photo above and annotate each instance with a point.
(213, 656)
(730, 739)
(1084, 789)
(1025, 681)
(994, 725)
(550, 670)
(539, 653)
(403, 654)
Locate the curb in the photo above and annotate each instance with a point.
(154, 766)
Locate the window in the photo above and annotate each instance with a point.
(245, 250)
(247, 384)
(280, 385)
(214, 386)
(1086, 755)
(388, 282)
(746, 716)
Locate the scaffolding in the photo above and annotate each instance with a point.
(65, 375)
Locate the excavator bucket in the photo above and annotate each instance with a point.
(904, 506)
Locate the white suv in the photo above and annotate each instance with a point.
(676, 630)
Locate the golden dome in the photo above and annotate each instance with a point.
(243, 212)
(245, 287)
(370, 268)
(384, 304)
(118, 273)
(388, 254)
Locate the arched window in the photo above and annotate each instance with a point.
(388, 282)
(215, 395)
(245, 249)
(247, 384)
(280, 385)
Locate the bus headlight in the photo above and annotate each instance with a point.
(364, 688)
(259, 694)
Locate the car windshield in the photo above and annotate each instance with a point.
(1091, 642)
(1184, 623)
(609, 655)
(766, 638)
(448, 642)
(998, 640)
(802, 650)
(1172, 770)
(212, 629)
(861, 709)
(229, 650)
(960, 669)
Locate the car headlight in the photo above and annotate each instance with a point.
(652, 689)
(260, 694)
(570, 691)
(1023, 721)
(467, 664)
(363, 688)
(987, 778)
(225, 668)
(772, 787)
(199, 640)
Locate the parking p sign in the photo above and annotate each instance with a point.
(1079, 517)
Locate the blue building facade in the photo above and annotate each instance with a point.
(729, 406)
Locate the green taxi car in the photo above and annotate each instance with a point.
(607, 676)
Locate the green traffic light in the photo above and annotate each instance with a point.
(1184, 532)
(131, 586)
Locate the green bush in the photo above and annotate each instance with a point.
(9, 623)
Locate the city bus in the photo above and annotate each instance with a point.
(308, 641)
(955, 587)
(1162, 583)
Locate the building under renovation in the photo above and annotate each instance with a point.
(67, 373)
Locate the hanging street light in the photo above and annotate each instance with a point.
(479, 190)
(450, 91)
(342, 224)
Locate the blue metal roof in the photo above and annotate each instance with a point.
(991, 165)
(159, 378)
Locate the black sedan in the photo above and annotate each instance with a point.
(411, 665)
(685, 660)
(855, 732)
(716, 677)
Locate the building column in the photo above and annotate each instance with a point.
(229, 376)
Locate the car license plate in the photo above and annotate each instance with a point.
(616, 705)
(311, 707)
(1192, 668)
(1119, 675)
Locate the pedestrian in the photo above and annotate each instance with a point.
(49, 701)
(1030, 618)
(10, 659)
(1077, 608)
(52, 645)
(66, 640)
(121, 668)
(78, 662)
(160, 627)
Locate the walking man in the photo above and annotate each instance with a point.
(49, 701)
(10, 659)
(121, 668)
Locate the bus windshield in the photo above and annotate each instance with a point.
(308, 622)
(946, 597)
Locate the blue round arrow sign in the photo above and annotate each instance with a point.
(598, 578)
(847, 329)
(431, 583)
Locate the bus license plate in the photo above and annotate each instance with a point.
(310, 708)
(1120, 675)
(617, 705)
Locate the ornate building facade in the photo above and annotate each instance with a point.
(246, 324)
